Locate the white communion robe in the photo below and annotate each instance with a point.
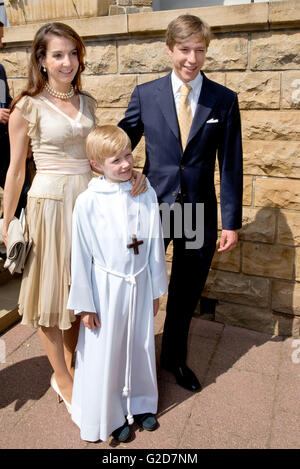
(115, 370)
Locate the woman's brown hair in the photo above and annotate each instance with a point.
(37, 77)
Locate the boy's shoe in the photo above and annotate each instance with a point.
(146, 421)
(122, 433)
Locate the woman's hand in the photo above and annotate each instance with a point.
(4, 234)
(138, 181)
(155, 306)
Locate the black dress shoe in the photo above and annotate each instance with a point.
(122, 433)
(184, 377)
(146, 421)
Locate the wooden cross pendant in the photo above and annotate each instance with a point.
(135, 244)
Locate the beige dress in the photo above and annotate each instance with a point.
(63, 172)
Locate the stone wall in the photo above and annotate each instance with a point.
(256, 52)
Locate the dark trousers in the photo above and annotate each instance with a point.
(189, 272)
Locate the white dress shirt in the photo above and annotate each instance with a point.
(194, 94)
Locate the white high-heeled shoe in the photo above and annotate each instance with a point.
(59, 394)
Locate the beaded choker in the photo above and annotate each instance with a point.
(58, 94)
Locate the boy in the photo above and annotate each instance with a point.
(118, 274)
(187, 120)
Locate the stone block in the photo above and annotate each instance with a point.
(16, 86)
(275, 50)
(110, 91)
(291, 89)
(219, 77)
(220, 18)
(258, 225)
(143, 56)
(86, 27)
(169, 252)
(89, 8)
(289, 228)
(145, 77)
(122, 10)
(116, 10)
(227, 52)
(139, 154)
(272, 158)
(109, 116)
(101, 58)
(247, 191)
(298, 264)
(229, 261)
(237, 288)
(48, 10)
(250, 317)
(15, 62)
(284, 13)
(286, 297)
(124, 3)
(275, 192)
(256, 90)
(268, 260)
(271, 125)
(142, 3)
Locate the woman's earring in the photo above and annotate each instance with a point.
(44, 69)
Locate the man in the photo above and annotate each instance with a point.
(187, 120)
(5, 100)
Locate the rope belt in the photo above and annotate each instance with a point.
(130, 278)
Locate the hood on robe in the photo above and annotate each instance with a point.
(101, 185)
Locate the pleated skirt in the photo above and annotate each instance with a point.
(46, 278)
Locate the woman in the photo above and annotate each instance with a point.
(56, 116)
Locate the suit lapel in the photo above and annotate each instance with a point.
(165, 101)
(205, 104)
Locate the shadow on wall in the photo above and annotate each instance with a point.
(263, 295)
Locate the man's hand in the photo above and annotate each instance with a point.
(138, 181)
(90, 320)
(4, 115)
(228, 240)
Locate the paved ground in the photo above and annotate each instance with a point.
(250, 396)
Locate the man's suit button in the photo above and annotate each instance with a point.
(174, 194)
(182, 166)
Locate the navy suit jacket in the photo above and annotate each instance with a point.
(215, 131)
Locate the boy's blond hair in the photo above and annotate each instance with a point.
(185, 26)
(106, 141)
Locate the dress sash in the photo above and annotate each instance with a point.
(54, 165)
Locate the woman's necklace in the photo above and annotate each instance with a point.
(58, 94)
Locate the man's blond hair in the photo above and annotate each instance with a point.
(106, 141)
(185, 26)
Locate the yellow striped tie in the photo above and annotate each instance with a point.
(185, 116)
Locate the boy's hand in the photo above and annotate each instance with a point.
(90, 320)
(138, 181)
(155, 306)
